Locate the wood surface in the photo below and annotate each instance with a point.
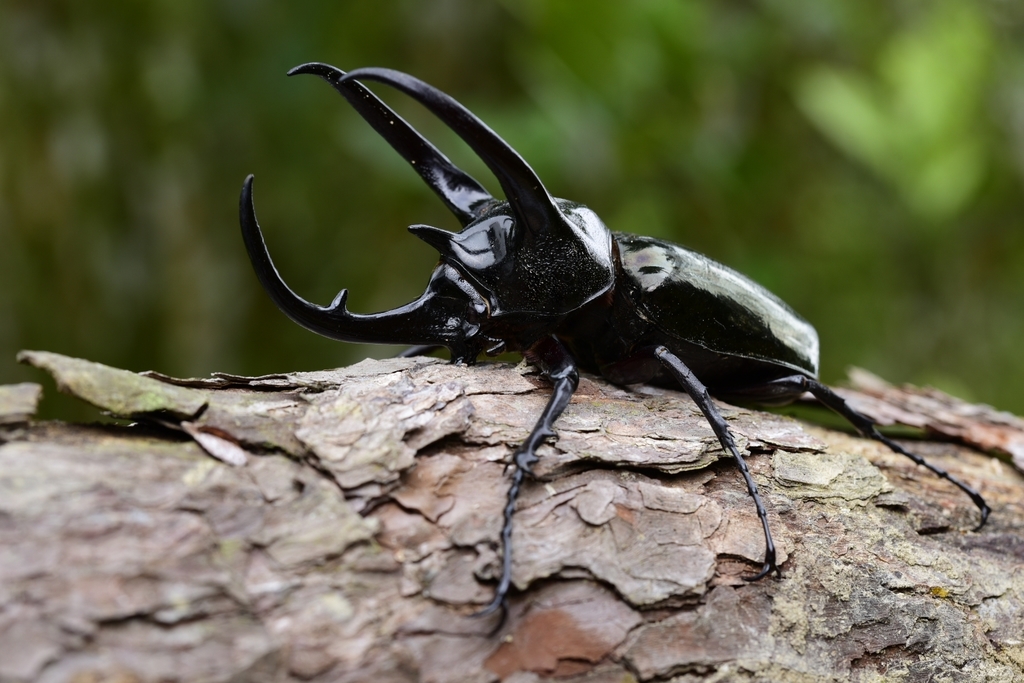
(342, 526)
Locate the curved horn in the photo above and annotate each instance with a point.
(463, 195)
(531, 204)
(424, 321)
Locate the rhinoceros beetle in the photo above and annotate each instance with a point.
(544, 277)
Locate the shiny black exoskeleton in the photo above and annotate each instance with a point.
(546, 278)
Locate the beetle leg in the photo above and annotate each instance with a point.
(866, 427)
(421, 350)
(560, 368)
(699, 393)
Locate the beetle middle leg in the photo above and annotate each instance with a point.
(560, 368)
(699, 393)
(799, 383)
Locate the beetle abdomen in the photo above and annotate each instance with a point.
(692, 298)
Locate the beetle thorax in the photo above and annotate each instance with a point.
(547, 272)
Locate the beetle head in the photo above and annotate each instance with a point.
(528, 257)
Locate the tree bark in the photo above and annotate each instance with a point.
(342, 526)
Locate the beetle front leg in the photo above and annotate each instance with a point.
(699, 393)
(559, 367)
(864, 425)
(419, 350)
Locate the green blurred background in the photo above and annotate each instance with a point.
(863, 160)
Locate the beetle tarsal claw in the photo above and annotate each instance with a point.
(767, 568)
(985, 511)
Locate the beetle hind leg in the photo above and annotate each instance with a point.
(864, 425)
(699, 393)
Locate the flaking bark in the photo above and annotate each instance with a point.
(354, 536)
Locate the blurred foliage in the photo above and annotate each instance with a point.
(921, 127)
(865, 161)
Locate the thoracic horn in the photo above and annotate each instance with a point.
(463, 195)
(534, 209)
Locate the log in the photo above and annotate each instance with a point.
(342, 526)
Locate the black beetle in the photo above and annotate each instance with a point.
(546, 278)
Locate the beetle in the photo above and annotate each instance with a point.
(544, 277)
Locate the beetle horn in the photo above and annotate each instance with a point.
(462, 194)
(531, 204)
(424, 321)
(437, 238)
